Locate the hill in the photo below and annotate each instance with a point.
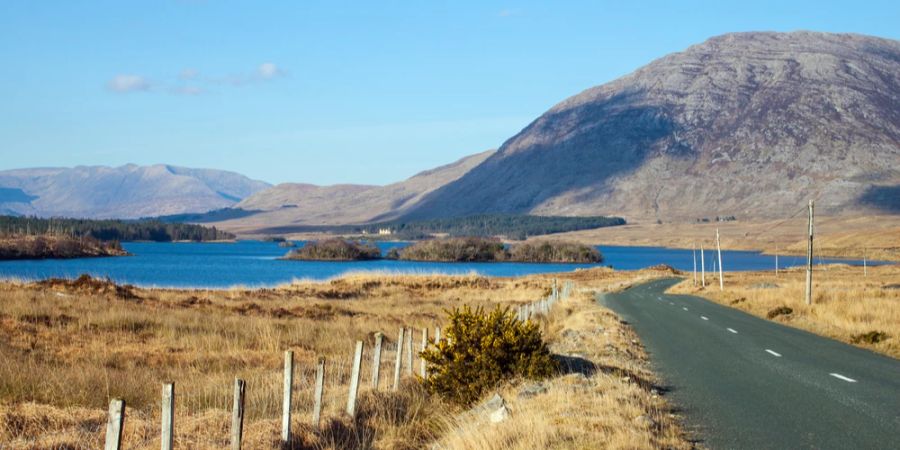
(125, 192)
(744, 124)
(305, 204)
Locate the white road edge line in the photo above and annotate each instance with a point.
(841, 377)
(732, 330)
(776, 354)
(704, 317)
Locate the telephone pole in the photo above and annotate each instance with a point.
(719, 251)
(702, 268)
(694, 254)
(809, 257)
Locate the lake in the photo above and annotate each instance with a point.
(256, 264)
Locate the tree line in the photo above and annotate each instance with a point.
(109, 230)
(512, 226)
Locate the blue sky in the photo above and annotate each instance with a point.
(334, 92)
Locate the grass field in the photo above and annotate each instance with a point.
(66, 348)
(847, 305)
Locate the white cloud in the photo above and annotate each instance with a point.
(268, 70)
(128, 83)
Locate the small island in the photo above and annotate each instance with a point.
(477, 249)
(335, 250)
(57, 247)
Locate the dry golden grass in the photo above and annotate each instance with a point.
(878, 237)
(846, 304)
(66, 349)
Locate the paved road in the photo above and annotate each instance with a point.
(744, 382)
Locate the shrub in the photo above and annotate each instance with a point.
(779, 311)
(456, 249)
(556, 252)
(481, 351)
(335, 250)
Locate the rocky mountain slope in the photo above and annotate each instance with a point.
(305, 204)
(744, 124)
(125, 192)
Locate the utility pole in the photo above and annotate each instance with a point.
(776, 260)
(809, 257)
(719, 251)
(865, 267)
(702, 268)
(694, 254)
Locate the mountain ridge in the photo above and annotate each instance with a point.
(129, 191)
(746, 124)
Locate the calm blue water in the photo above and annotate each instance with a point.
(254, 263)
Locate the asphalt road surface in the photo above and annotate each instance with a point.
(747, 383)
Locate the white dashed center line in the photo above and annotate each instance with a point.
(704, 317)
(776, 354)
(841, 377)
(684, 308)
(671, 303)
(732, 330)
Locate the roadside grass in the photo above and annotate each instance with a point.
(605, 397)
(66, 349)
(847, 306)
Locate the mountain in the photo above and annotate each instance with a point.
(306, 204)
(744, 124)
(124, 192)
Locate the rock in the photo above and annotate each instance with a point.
(532, 390)
(501, 414)
(571, 334)
(644, 421)
(493, 403)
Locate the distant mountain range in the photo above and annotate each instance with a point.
(746, 124)
(125, 192)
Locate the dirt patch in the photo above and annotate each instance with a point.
(872, 337)
(779, 311)
(46, 319)
(85, 284)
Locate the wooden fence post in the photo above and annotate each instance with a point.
(286, 398)
(237, 414)
(398, 360)
(437, 335)
(409, 353)
(167, 434)
(354, 379)
(376, 360)
(317, 394)
(424, 370)
(114, 424)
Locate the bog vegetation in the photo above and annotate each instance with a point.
(109, 230)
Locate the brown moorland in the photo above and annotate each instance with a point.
(67, 347)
